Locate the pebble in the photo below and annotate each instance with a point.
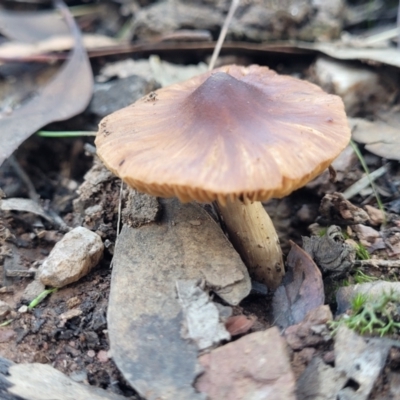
(5, 309)
(23, 309)
(91, 353)
(102, 356)
(33, 290)
(71, 258)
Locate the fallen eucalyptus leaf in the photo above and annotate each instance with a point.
(24, 205)
(31, 26)
(63, 97)
(57, 43)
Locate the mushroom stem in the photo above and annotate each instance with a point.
(253, 235)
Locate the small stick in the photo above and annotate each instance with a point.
(20, 273)
(398, 26)
(378, 263)
(222, 35)
(119, 217)
(364, 182)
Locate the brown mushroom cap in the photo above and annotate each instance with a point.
(235, 132)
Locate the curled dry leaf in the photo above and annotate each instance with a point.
(60, 99)
(302, 289)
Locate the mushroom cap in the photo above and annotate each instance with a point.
(234, 132)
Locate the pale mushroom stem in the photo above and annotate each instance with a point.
(253, 235)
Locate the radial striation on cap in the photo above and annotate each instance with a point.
(235, 132)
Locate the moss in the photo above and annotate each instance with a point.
(372, 316)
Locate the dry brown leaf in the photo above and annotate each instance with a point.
(302, 289)
(66, 95)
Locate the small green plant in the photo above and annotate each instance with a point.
(362, 252)
(40, 298)
(358, 302)
(322, 232)
(371, 182)
(360, 277)
(372, 316)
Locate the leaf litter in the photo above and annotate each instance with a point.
(58, 100)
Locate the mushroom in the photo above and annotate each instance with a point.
(235, 135)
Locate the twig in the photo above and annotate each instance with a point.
(20, 273)
(378, 263)
(119, 217)
(119, 208)
(222, 35)
(364, 182)
(398, 26)
(24, 177)
(64, 134)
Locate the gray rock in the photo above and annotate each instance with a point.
(254, 367)
(112, 96)
(33, 290)
(43, 382)
(144, 314)
(319, 381)
(5, 309)
(71, 258)
(359, 361)
(140, 209)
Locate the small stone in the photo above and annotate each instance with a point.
(102, 356)
(5, 309)
(76, 312)
(79, 376)
(377, 217)
(91, 353)
(329, 357)
(253, 367)
(71, 258)
(23, 309)
(33, 290)
(311, 331)
(359, 361)
(6, 335)
(73, 302)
